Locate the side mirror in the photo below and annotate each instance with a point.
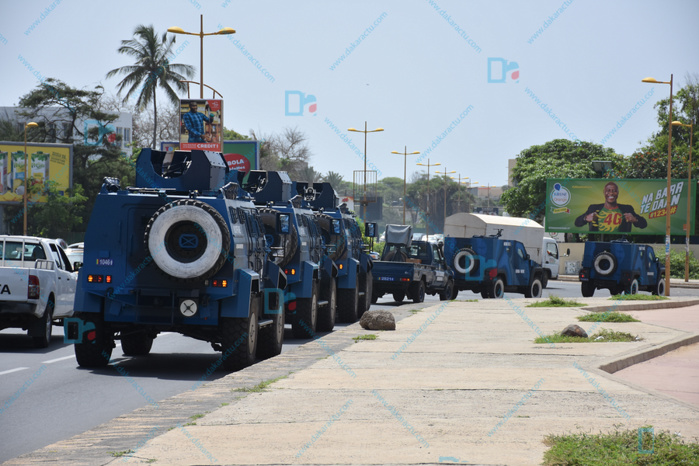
(336, 227)
(77, 265)
(370, 230)
(283, 223)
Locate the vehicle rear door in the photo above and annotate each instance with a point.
(521, 265)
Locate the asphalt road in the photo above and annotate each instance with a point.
(45, 397)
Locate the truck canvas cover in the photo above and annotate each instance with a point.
(399, 234)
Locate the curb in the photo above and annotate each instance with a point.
(642, 306)
(645, 355)
(674, 282)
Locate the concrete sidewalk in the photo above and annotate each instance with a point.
(674, 282)
(457, 382)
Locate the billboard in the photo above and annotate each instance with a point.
(240, 155)
(617, 207)
(46, 162)
(201, 124)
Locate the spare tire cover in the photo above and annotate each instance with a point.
(605, 263)
(469, 258)
(188, 239)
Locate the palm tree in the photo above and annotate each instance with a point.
(152, 69)
(335, 180)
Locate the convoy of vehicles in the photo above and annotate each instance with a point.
(411, 268)
(37, 286)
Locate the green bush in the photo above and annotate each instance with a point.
(677, 264)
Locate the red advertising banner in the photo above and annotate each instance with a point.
(201, 124)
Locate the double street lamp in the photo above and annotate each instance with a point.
(201, 34)
(427, 223)
(405, 162)
(689, 196)
(669, 174)
(365, 131)
(446, 179)
(31, 124)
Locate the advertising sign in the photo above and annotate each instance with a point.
(240, 155)
(616, 207)
(47, 162)
(201, 124)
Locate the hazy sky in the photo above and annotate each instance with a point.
(427, 71)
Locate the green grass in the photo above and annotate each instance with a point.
(119, 454)
(151, 460)
(607, 336)
(607, 317)
(415, 311)
(225, 404)
(260, 387)
(365, 337)
(638, 297)
(196, 416)
(619, 448)
(555, 301)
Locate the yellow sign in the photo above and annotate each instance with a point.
(47, 162)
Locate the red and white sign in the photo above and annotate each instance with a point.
(237, 162)
(201, 124)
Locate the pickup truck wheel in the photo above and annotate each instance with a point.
(365, 302)
(348, 301)
(446, 293)
(239, 340)
(328, 315)
(398, 296)
(305, 320)
(464, 260)
(44, 327)
(587, 289)
(534, 289)
(497, 289)
(418, 293)
(272, 336)
(96, 341)
(188, 240)
(633, 287)
(454, 292)
(605, 263)
(660, 287)
(136, 344)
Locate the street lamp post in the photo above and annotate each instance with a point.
(689, 197)
(445, 173)
(201, 34)
(31, 124)
(458, 201)
(405, 167)
(427, 223)
(669, 174)
(365, 133)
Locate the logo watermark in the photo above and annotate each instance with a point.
(499, 70)
(296, 102)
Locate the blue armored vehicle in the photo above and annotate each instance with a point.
(491, 266)
(620, 266)
(182, 251)
(311, 295)
(345, 247)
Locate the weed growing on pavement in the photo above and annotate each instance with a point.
(555, 301)
(415, 311)
(119, 454)
(196, 416)
(151, 460)
(260, 387)
(638, 297)
(604, 335)
(358, 338)
(225, 404)
(607, 317)
(619, 447)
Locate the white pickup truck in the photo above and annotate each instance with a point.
(37, 286)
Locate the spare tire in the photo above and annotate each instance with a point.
(289, 242)
(605, 263)
(188, 240)
(468, 256)
(339, 241)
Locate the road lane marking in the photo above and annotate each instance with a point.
(13, 370)
(50, 361)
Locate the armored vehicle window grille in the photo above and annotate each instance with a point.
(234, 216)
(241, 215)
(299, 220)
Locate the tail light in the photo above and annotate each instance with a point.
(34, 288)
(99, 279)
(492, 273)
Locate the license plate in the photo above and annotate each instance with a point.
(386, 279)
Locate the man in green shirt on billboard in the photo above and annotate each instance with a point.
(611, 217)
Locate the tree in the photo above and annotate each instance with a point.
(166, 130)
(559, 158)
(335, 180)
(152, 70)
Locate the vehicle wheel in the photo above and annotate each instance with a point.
(633, 287)
(454, 292)
(534, 289)
(497, 289)
(305, 320)
(587, 288)
(288, 243)
(239, 339)
(545, 279)
(374, 298)
(348, 301)
(485, 293)
(136, 344)
(96, 342)
(188, 240)
(271, 336)
(41, 333)
(328, 315)
(418, 293)
(398, 296)
(447, 292)
(365, 304)
(605, 263)
(464, 260)
(660, 287)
